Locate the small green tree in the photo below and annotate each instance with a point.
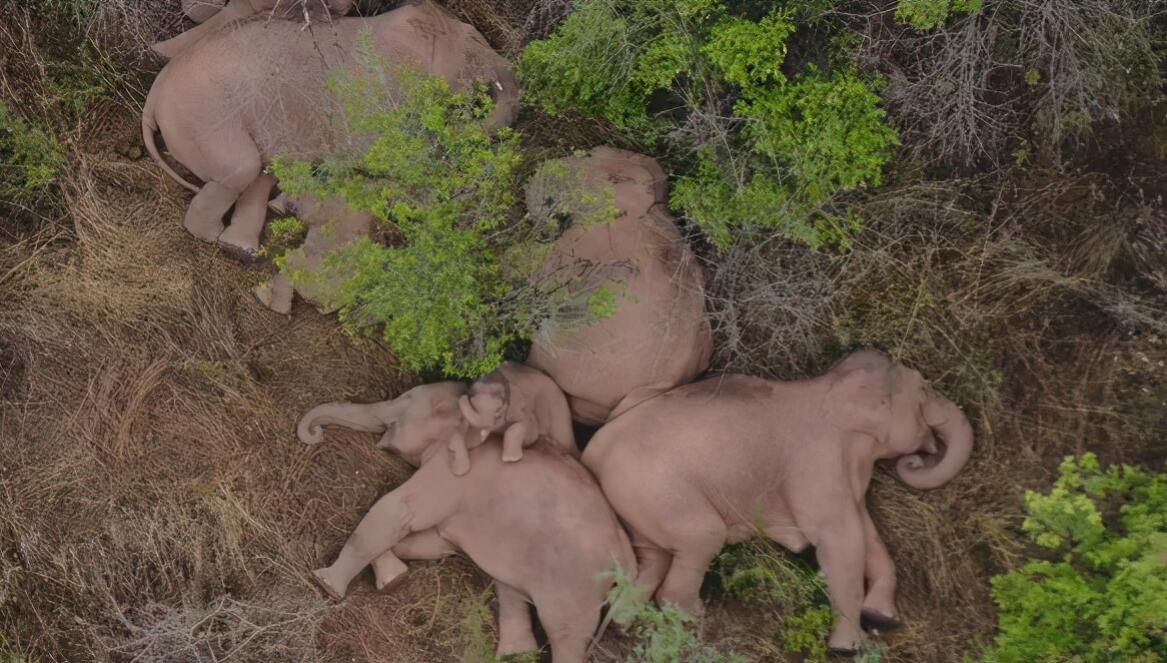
(1104, 596)
(30, 158)
(442, 187)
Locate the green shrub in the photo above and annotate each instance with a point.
(443, 186)
(30, 158)
(664, 635)
(774, 146)
(927, 14)
(1104, 596)
(789, 591)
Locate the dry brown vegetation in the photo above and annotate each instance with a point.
(156, 506)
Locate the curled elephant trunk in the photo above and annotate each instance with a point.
(950, 425)
(364, 418)
(476, 419)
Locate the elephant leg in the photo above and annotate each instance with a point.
(459, 457)
(570, 620)
(652, 564)
(839, 548)
(249, 215)
(693, 554)
(418, 504)
(389, 569)
(234, 163)
(276, 294)
(512, 441)
(514, 621)
(879, 610)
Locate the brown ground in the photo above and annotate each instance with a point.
(155, 504)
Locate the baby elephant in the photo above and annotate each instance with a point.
(731, 457)
(520, 403)
(541, 529)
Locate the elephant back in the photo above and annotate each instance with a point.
(620, 241)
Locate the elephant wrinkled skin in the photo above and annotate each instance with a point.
(731, 457)
(520, 403)
(540, 528)
(658, 336)
(216, 15)
(238, 98)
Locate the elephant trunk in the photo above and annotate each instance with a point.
(950, 425)
(476, 419)
(505, 92)
(364, 418)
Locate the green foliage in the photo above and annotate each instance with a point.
(282, 235)
(9, 656)
(438, 181)
(664, 635)
(775, 146)
(1105, 597)
(788, 589)
(927, 14)
(478, 636)
(30, 158)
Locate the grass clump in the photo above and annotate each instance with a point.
(767, 144)
(789, 591)
(1103, 595)
(479, 638)
(664, 635)
(443, 187)
(30, 158)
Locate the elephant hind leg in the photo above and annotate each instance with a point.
(569, 624)
(231, 165)
(682, 584)
(652, 564)
(514, 621)
(249, 216)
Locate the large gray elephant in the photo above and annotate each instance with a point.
(216, 15)
(733, 457)
(238, 98)
(657, 336)
(540, 528)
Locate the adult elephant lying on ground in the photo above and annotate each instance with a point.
(540, 528)
(731, 457)
(238, 98)
(658, 336)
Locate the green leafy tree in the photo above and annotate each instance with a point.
(773, 146)
(1103, 597)
(443, 189)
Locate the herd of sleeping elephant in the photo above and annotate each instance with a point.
(679, 466)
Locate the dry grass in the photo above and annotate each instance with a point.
(156, 506)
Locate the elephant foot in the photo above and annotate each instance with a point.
(459, 464)
(268, 296)
(874, 620)
(322, 579)
(512, 456)
(388, 572)
(282, 205)
(845, 643)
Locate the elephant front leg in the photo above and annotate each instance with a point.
(840, 552)
(459, 456)
(389, 568)
(879, 610)
(513, 440)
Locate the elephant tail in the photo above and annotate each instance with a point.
(150, 127)
(310, 430)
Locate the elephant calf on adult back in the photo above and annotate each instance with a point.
(238, 98)
(730, 457)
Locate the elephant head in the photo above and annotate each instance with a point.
(926, 433)
(485, 406)
(415, 425)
